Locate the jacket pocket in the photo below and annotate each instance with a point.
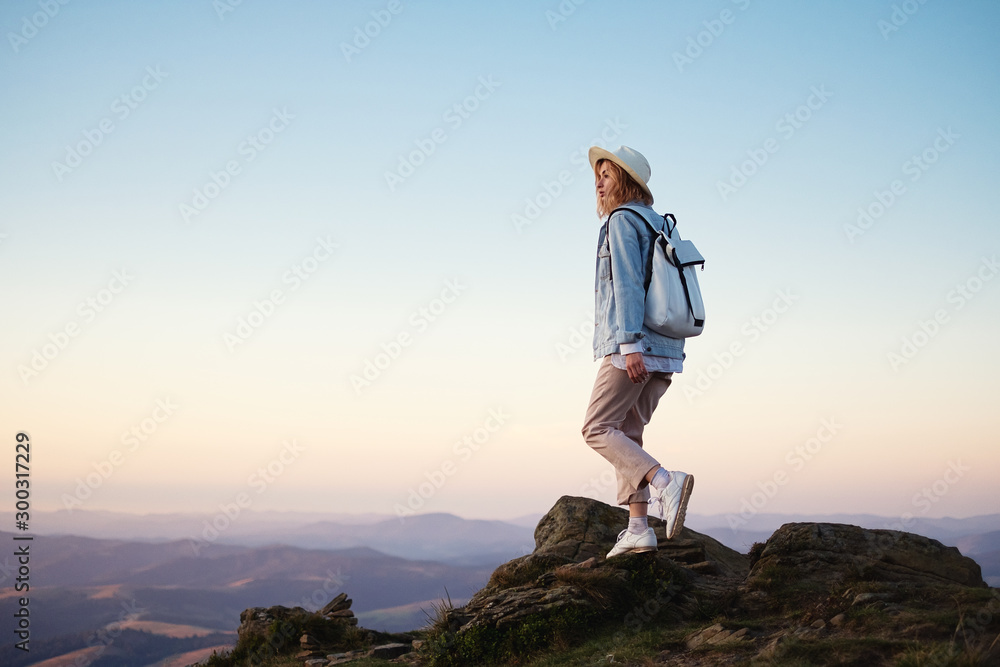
(604, 261)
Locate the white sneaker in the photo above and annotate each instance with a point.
(634, 543)
(674, 501)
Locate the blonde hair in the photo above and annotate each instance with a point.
(626, 189)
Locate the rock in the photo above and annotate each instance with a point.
(308, 655)
(307, 635)
(864, 598)
(316, 662)
(258, 621)
(715, 634)
(336, 604)
(344, 658)
(771, 648)
(820, 554)
(702, 636)
(703, 567)
(390, 651)
(838, 620)
(577, 529)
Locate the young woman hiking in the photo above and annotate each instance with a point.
(637, 364)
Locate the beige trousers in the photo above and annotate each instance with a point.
(619, 410)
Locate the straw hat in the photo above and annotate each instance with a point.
(629, 159)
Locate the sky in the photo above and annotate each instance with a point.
(322, 256)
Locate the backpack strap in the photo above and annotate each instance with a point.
(667, 217)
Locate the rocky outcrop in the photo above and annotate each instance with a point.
(815, 582)
(832, 553)
(566, 586)
(580, 528)
(329, 636)
(814, 593)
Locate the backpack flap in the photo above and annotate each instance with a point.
(685, 254)
(686, 258)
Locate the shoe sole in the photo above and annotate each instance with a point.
(639, 550)
(682, 509)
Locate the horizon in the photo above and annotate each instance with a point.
(508, 519)
(318, 257)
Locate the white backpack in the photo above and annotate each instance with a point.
(674, 306)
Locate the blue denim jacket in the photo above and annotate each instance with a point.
(622, 265)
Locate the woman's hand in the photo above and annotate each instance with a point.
(636, 367)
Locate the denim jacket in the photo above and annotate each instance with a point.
(622, 265)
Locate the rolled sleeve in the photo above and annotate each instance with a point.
(631, 348)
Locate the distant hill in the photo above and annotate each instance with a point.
(172, 601)
(980, 544)
(446, 537)
(440, 537)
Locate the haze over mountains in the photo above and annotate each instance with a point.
(443, 537)
(451, 539)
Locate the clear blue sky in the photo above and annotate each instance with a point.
(366, 183)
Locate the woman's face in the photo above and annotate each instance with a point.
(606, 180)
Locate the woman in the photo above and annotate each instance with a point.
(637, 364)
